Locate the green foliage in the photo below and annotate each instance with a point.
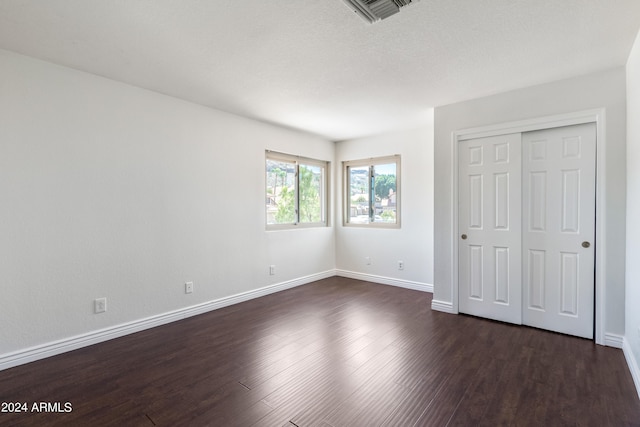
(382, 185)
(286, 213)
(388, 216)
(309, 184)
(309, 199)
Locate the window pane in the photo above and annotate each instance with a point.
(384, 190)
(359, 194)
(310, 187)
(372, 193)
(281, 200)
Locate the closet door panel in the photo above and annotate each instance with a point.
(489, 256)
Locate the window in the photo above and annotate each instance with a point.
(296, 191)
(372, 192)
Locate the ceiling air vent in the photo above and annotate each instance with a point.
(375, 10)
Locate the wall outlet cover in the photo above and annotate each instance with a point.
(100, 305)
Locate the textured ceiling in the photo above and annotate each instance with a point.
(317, 66)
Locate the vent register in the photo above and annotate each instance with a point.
(376, 10)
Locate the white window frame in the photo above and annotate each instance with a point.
(346, 202)
(297, 161)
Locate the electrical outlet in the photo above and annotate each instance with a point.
(367, 260)
(100, 305)
(400, 265)
(188, 288)
(272, 270)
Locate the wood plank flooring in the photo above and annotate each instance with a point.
(337, 352)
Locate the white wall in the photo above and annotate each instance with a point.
(600, 90)
(632, 312)
(413, 242)
(113, 191)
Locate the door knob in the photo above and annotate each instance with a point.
(586, 244)
(463, 237)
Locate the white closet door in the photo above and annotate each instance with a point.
(558, 228)
(489, 257)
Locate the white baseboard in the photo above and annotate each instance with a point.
(444, 306)
(632, 363)
(401, 283)
(72, 343)
(613, 340)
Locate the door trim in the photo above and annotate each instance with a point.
(596, 116)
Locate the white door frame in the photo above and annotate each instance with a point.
(596, 116)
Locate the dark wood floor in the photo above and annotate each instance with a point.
(337, 352)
